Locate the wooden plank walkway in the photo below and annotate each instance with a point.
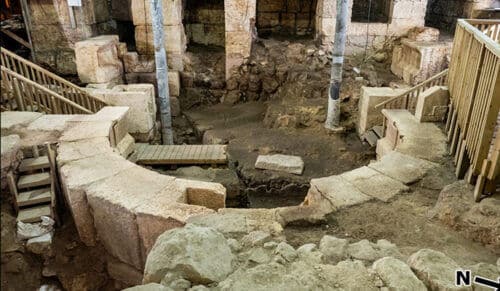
(180, 154)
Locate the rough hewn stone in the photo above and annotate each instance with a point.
(283, 163)
(396, 274)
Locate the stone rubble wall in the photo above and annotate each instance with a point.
(53, 37)
(204, 22)
(113, 201)
(292, 17)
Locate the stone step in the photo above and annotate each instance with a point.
(33, 214)
(371, 138)
(401, 167)
(374, 184)
(33, 197)
(32, 164)
(379, 131)
(33, 180)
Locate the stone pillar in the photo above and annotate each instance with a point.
(326, 12)
(240, 18)
(52, 35)
(175, 38)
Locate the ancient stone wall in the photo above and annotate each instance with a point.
(371, 10)
(54, 37)
(288, 17)
(240, 24)
(443, 14)
(403, 15)
(204, 22)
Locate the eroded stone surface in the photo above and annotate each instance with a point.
(11, 119)
(198, 254)
(374, 184)
(396, 274)
(283, 163)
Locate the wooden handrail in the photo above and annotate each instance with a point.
(50, 81)
(412, 89)
(22, 94)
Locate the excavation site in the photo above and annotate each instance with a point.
(171, 145)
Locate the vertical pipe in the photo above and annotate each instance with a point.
(161, 71)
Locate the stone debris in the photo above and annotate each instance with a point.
(333, 249)
(198, 254)
(41, 244)
(282, 163)
(396, 274)
(435, 269)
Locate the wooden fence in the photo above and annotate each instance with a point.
(50, 81)
(20, 93)
(474, 84)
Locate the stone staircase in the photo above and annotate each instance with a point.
(407, 152)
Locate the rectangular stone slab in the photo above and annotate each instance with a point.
(338, 191)
(282, 163)
(374, 184)
(401, 167)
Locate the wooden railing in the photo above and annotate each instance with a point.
(50, 81)
(474, 84)
(21, 93)
(408, 99)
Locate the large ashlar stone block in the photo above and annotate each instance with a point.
(140, 98)
(369, 116)
(72, 151)
(240, 15)
(432, 104)
(76, 175)
(172, 12)
(209, 195)
(97, 59)
(10, 120)
(135, 63)
(175, 39)
(416, 61)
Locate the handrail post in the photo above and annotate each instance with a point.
(17, 94)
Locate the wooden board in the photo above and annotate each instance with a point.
(33, 180)
(32, 164)
(33, 214)
(34, 197)
(180, 154)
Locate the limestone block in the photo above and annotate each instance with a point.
(424, 34)
(283, 163)
(72, 151)
(417, 61)
(210, 195)
(238, 42)
(149, 287)
(141, 101)
(432, 104)
(175, 61)
(79, 130)
(240, 15)
(326, 26)
(74, 178)
(150, 78)
(335, 192)
(175, 106)
(172, 12)
(174, 83)
(435, 269)
(369, 116)
(126, 146)
(175, 39)
(123, 272)
(326, 8)
(50, 122)
(395, 273)
(10, 120)
(114, 202)
(11, 155)
(154, 219)
(374, 184)
(97, 59)
(135, 63)
(403, 168)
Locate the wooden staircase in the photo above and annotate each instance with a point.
(29, 87)
(34, 193)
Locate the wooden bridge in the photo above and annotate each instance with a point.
(181, 154)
